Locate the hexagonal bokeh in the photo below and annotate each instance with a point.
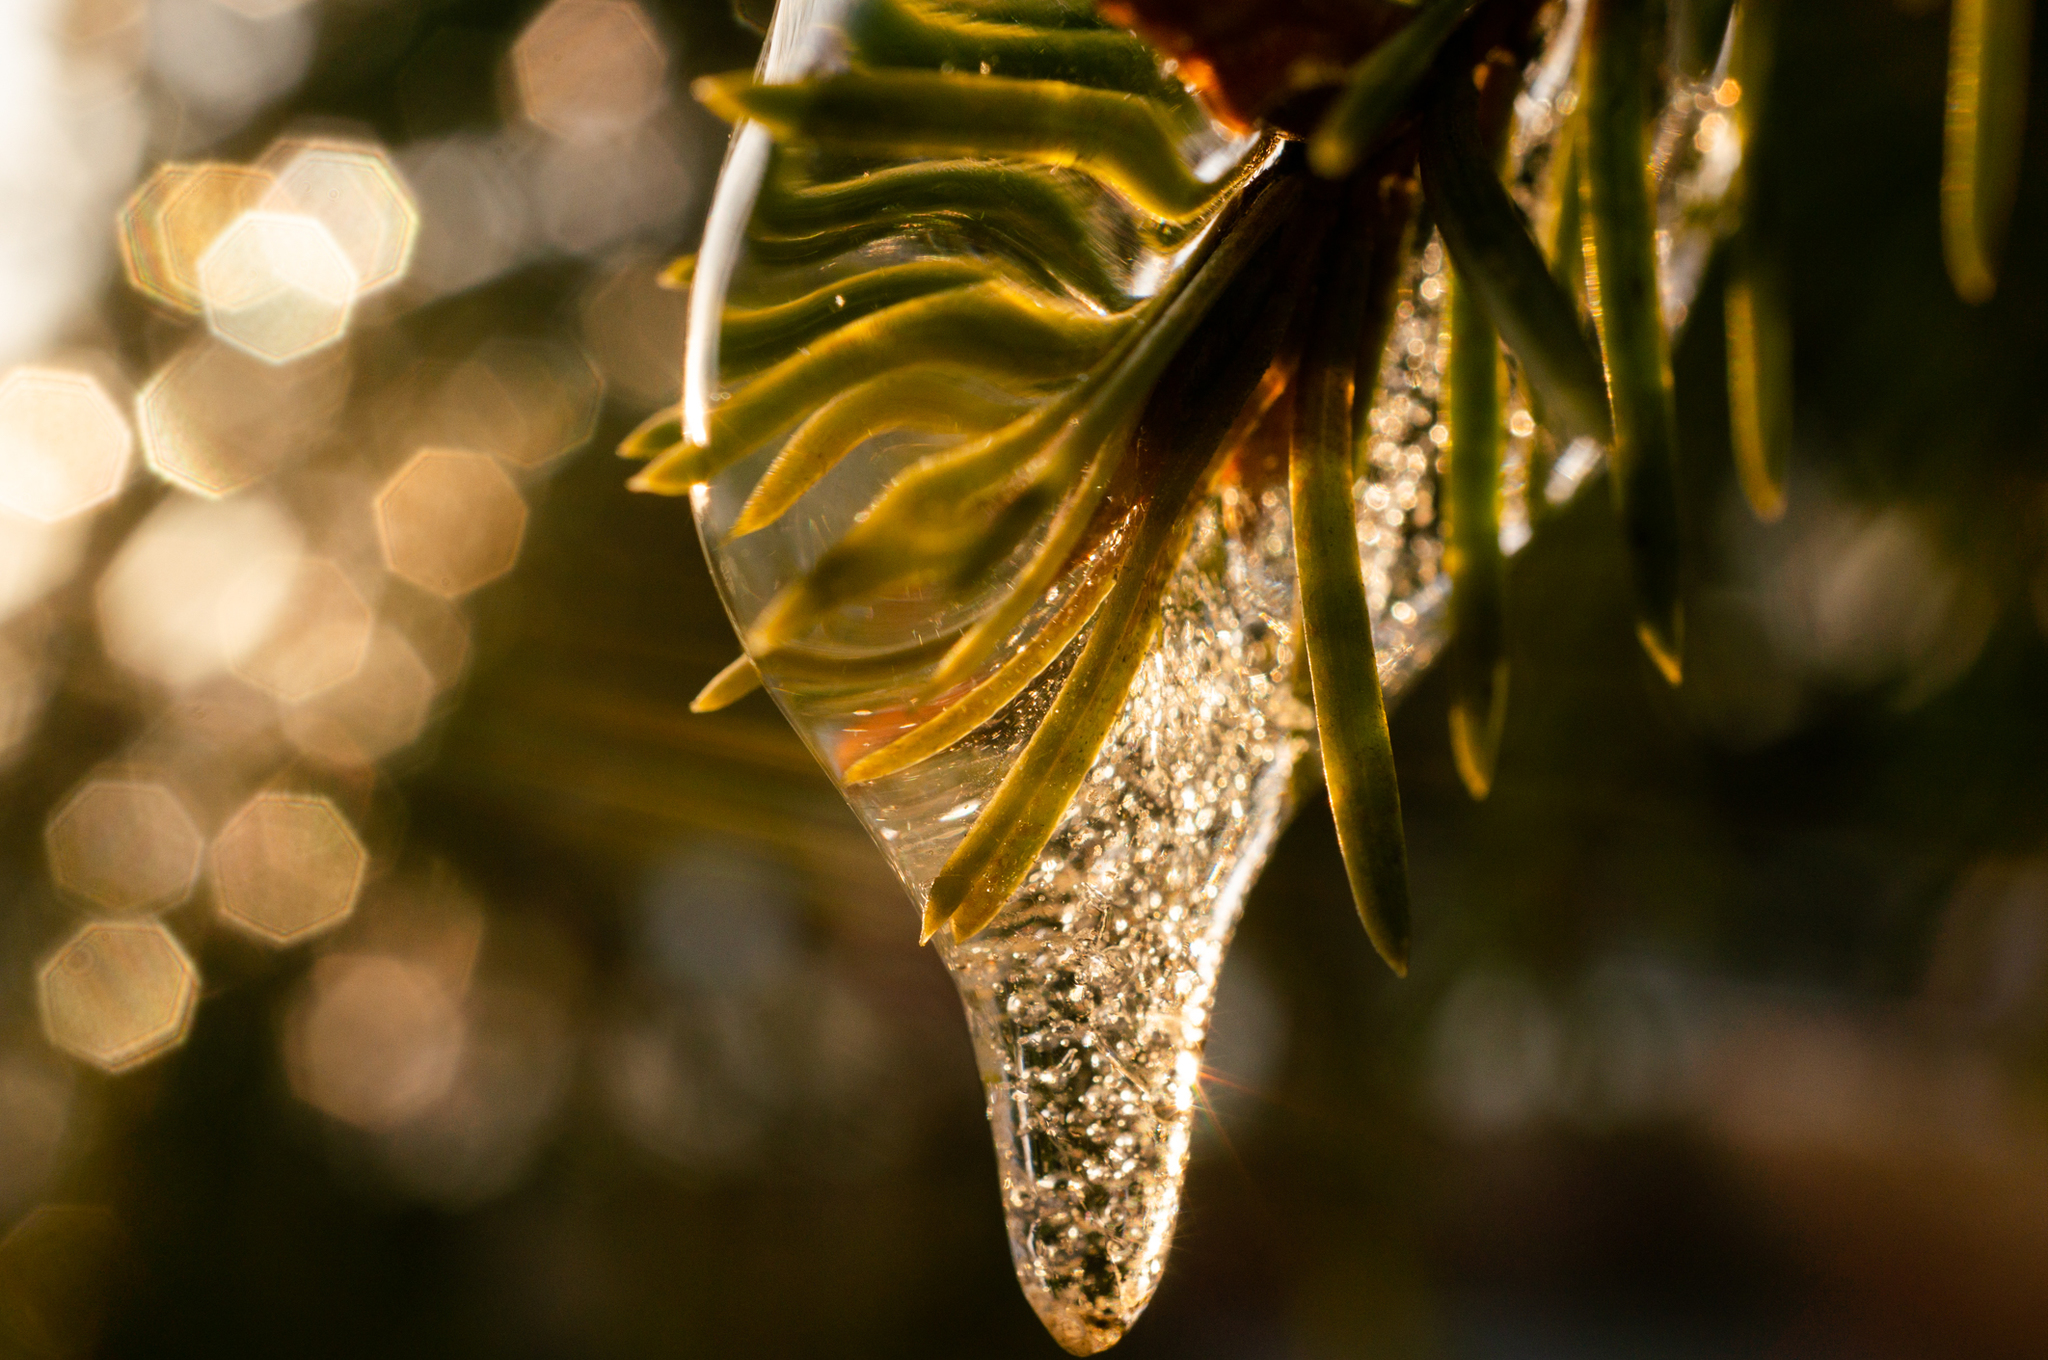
(145, 250)
(634, 330)
(277, 285)
(171, 221)
(64, 445)
(197, 586)
(589, 198)
(525, 401)
(118, 994)
(376, 1041)
(36, 558)
(587, 69)
(380, 709)
(451, 521)
(474, 210)
(286, 867)
(354, 189)
(216, 419)
(124, 845)
(23, 684)
(320, 636)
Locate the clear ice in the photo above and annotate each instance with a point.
(1089, 996)
(1695, 152)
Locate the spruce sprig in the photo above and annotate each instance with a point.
(1089, 414)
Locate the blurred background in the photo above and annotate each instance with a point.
(389, 964)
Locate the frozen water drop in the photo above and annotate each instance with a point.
(1089, 995)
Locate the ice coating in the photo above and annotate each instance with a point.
(1089, 996)
(1398, 532)
(1696, 150)
(1402, 440)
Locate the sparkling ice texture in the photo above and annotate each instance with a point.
(1089, 997)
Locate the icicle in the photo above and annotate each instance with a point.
(1089, 997)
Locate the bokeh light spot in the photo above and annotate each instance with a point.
(378, 710)
(118, 994)
(171, 221)
(634, 329)
(376, 1041)
(525, 401)
(277, 285)
(431, 919)
(64, 445)
(474, 211)
(261, 9)
(145, 245)
(588, 69)
(125, 845)
(320, 637)
(437, 630)
(355, 190)
(178, 603)
(35, 1110)
(587, 199)
(22, 683)
(481, 1138)
(287, 866)
(35, 558)
(451, 521)
(215, 419)
(217, 66)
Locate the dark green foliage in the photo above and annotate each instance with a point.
(1343, 664)
(1015, 124)
(1644, 453)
